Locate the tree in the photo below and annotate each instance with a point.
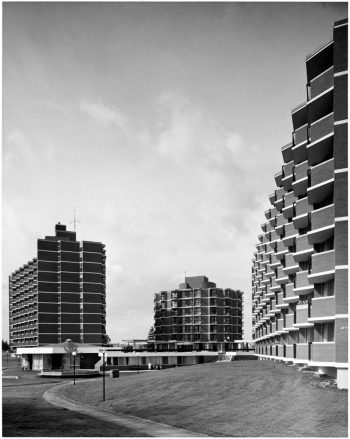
(107, 339)
(151, 335)
(5, 345)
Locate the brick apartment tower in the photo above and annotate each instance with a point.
(300, 268)
(197, 316)
(60, 294)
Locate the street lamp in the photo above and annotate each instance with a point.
(74, 353)
(227, 339)
(103, 372)
(138, 363)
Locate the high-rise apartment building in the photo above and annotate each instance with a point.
(60, 294)
(300, 268)
(197, 316)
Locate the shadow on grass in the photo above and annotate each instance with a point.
(33, 417)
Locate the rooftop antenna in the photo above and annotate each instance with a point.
(75, 221)
(185, 276)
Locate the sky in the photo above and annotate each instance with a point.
(162, 124)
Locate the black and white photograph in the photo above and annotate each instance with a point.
(174, 219)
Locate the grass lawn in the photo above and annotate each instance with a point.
(242, 398)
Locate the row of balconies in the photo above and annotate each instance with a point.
(318, 310)
(306, 180)
(315, 351)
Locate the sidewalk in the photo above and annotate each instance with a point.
(143, 426)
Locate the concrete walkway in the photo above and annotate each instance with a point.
(143, 426)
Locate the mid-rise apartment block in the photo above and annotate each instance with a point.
(197, 316)
(60, 294)
(300, 268)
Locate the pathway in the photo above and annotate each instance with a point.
(142, 426)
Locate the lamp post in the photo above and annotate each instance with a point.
(71, 348)
(103, 373)
(227, 340)
(74, 353)
(138, 363)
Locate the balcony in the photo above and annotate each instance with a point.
(288, 205)
(274, 286)
(281, 251)
(273, 237)
(272, 219)
(322, 309)
(321, 133)
(281, 278)
(280, 302)
(287, 152)
(323, 352)
(300, 182)
(303, 352)
(319, 61)
(279, 199)
(290, 265)
(320, 105)
(289, 234)
(301, 134)
(323, 267)
(322, 224)
(302, 315)
(322, 82)
(272, 198)
(322, 180)
(290, 320)
(299, 116)
(278, 178)
(274, 308)
(299, 152)
(290, 296)
(289, 351)
(303, 248)
(302, 284)
(280, 327)
(301, 218)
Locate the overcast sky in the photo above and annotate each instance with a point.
(162, 123)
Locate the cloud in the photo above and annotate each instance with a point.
(106, 115)
(17, 148)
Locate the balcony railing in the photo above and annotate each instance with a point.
(322, 225)
(300, 135)
(303, 248)
(303, 351)
(289, 351)
(322, 172)
(322, 217)
(302, 283)
(322, 127)
(302, 206)
(323, 352)
(302, 315)
(322, 82)
(290, 295)
(323, 309)
(323, 267)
